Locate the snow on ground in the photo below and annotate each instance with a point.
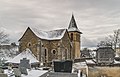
(79, 72)
(35, 73)
(7, 54)
(25, 54)
(90, 61)
(80, 65)
(31, 73)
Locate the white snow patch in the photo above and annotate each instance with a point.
(116, 62)
(90, 61)
(35, 73)
(24, 54)
(31, 73)
(49, 35)
(80, 65)
(73, 29)
(117, 55)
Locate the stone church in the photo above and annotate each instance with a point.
(60, 44)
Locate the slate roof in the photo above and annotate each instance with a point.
(73, 26)
(49, 35)
(105, 49)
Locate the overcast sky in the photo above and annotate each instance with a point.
(96, 19)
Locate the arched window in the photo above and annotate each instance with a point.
(71, 36)
(29, 44)
(45, 52)
(54, 51)
(67, 54)
(45, 55)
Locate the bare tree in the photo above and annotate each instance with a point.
(112, 40)
(105, 43)
(3, 37)
(115, 39)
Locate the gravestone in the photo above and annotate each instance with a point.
(58, 66)
(63, 66)
(23, 70)
(17, 72)
(24, 63)
(3, 75)
(1, 70)
(68, 66)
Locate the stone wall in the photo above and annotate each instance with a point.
(76, 44)
(29, 40)
(104, 71)
(62, 47)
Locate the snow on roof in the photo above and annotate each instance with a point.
(73, 29)
(105, 49)
(80, 65)
(117, 55)
(116, 62)
(90, 61)
(49, 35)
(25, 54)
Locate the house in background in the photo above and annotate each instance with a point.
(105, 55)
(85, 53)
(104, 65)
(61, 44)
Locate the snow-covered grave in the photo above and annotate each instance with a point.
(91, 61)
(24, 54)
(31, 73)
(81, 68)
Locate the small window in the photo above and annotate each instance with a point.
(29, 44)
(71, 36)
(45, 52)
(54, 51)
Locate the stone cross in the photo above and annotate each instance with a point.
(24, 63)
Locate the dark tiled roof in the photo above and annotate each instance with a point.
(105, 49)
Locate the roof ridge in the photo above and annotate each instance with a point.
(49, 35)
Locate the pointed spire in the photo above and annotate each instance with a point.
(73, 25)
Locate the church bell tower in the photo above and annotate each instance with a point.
(75, 35)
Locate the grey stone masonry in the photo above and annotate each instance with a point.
(3, 75)
(23, 70)
(24, 63)
(1, 70)
(17, 72)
